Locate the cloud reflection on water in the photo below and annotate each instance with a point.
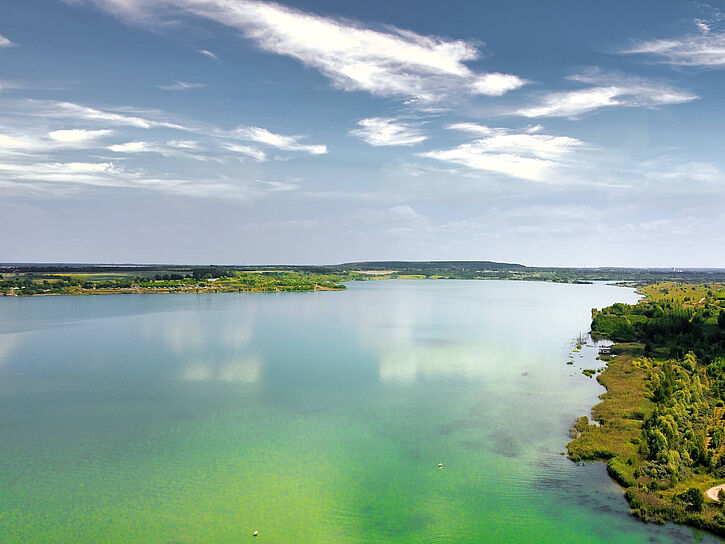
(235, 371)
(410, 362)
(475, 332)
(244, 371)
(8, 342)
(188, 332)
(211, 347)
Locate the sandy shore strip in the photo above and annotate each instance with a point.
(712, 492)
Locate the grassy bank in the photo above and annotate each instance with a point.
(660, 425)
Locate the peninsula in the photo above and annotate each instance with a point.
(660, 426)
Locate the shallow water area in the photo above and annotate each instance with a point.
(310, 417)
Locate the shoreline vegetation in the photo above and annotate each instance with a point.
(661, 424)
(79, 279)
(194, 280)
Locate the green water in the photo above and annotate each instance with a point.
(310, 417)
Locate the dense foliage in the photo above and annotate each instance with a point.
(667, 443)
(668, 327)
(673, 436)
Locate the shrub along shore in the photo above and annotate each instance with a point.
(660, 426)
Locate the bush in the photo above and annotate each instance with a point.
(621, 471)
(693, 498)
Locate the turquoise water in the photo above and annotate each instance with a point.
(310, 417)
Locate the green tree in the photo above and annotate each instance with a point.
(693, 498)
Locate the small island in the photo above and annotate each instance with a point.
(661, 424)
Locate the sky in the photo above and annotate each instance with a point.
(563, 133)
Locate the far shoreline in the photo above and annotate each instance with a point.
(70, 279)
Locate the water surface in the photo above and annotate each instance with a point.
(311, 417)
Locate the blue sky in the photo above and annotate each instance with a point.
(232, 131)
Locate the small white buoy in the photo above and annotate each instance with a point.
(255, 533)
(440, 465)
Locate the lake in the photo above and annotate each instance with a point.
(309, 417)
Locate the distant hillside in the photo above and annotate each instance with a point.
(362, 270)
(405, 266)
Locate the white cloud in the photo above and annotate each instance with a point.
(54, 178)
(685, 173)
(35, 140)
(609, 91)
(74, 136)
(70, 110)
(257, 154)
(280, 141)
(471, 128)
(506, 140)
(173, 148)
(278, 186)
(43, 141)
(404, 211)
(704, 49)
(496, 84)
(703, 25)
(183, 144)
(13, 142)
(386, 131)
(155, 119)
(208, 53)
(518, 154)
(389, 61)
(5, 42)
(572, 103)
(74, 172)
(182, 86)
(132, 147)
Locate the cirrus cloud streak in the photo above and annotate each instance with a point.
(280, 141)
(706, 48)
(607, 91)
(387, 61)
